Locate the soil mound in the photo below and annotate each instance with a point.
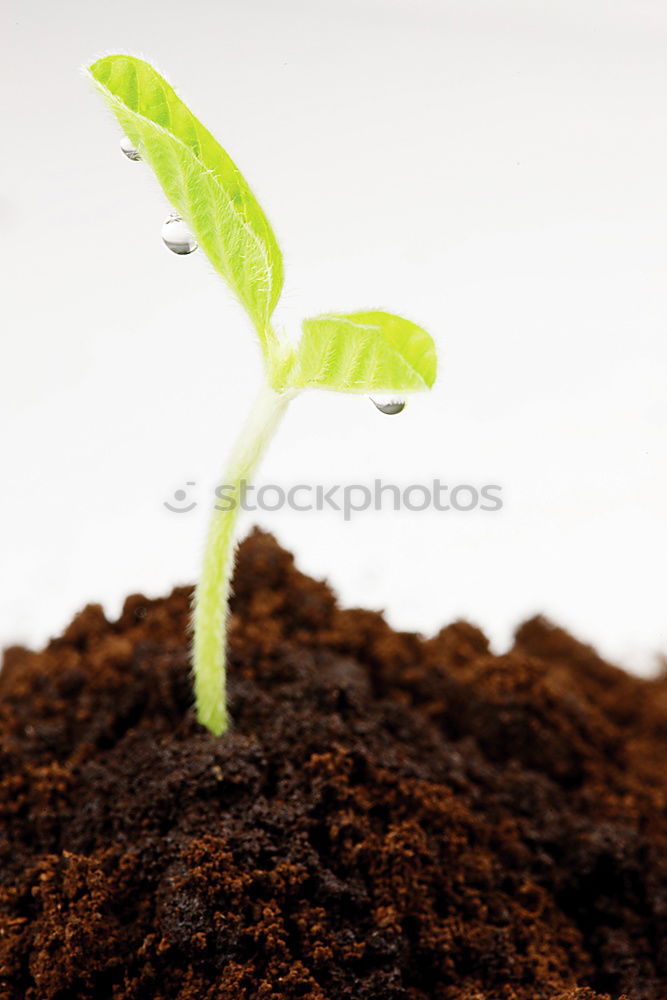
(390, 818)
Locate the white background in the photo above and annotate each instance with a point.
(493, 170)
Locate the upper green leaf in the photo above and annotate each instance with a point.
(362, 352)
(199, 179)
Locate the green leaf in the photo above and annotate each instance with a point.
(199, 179)
(363, 352)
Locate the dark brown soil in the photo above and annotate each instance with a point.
(390, 818)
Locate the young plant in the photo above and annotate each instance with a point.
(365, 352)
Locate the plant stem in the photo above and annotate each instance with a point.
(212, 594)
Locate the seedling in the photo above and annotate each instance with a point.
(362, 352)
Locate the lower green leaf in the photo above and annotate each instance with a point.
(362, 352)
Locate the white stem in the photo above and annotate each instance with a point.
(212, 594)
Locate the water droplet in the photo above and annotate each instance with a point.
(129, 149)
(176, 235)
(389, 405)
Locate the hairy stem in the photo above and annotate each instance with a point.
(212, 594)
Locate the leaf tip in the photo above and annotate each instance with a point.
(100, 69)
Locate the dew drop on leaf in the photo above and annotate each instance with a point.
(129, 149)
(388, 405)
(176, 235)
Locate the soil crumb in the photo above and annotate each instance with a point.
(390, 818)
